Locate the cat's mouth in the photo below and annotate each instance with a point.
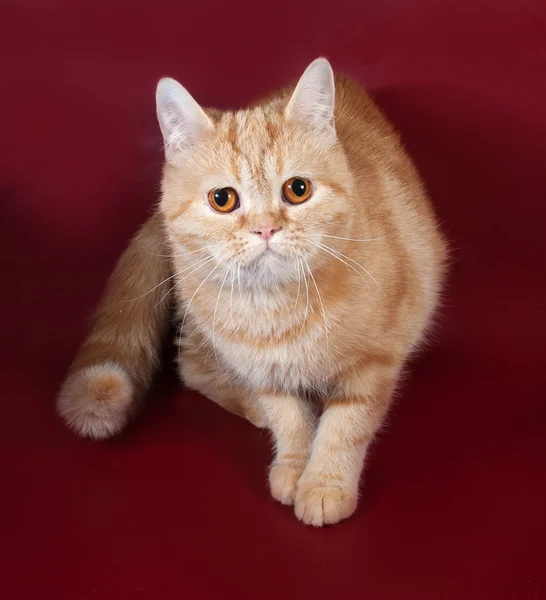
(265, 255)
(264, 250)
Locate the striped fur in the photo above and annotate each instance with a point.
(307, 337)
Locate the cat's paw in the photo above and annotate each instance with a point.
(283, 482)
(318, 504)
(96, 401)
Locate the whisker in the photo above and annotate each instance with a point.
(356, 263)
(306, 312)
(341, 260)
(364, 269)
(201, 264)
(193, 296)
(299, 285)
(216, 310)
(177, 255)
(348, 239)
(234, 329)
(190, 302)
(320, 300)
(231, 299)
(324, 225)
(239, 286)
(159, 284)
(167, 293)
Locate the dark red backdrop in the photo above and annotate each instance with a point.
(454, 504)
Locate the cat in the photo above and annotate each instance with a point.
(304, 263)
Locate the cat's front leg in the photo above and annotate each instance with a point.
(292, 424)
(328, 488)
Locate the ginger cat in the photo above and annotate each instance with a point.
(299, 249)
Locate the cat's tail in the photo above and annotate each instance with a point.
(115, 365)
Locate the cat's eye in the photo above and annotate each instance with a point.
(223, 200)
(296, 190)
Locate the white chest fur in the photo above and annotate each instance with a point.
(265, 343)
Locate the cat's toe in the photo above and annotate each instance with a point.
(320, 505)
(283, 481)
(96, 401)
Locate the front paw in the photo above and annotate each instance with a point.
(318, 503)
(283, 481)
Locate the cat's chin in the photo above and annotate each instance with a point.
(265, 253)
(265, 258)
(268, 269)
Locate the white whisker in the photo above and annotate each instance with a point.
(348, 239)
(320, 300)
(160, 284)
(188, 308)
(177, 255)
(355, 262)
(306, 311)
(323, 225)
(299, 285)
(234, 329)
(341, 260)
(194, 294)
(216, 310)
(239, 286)
(204, 262)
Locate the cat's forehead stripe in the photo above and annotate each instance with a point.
(252, 138)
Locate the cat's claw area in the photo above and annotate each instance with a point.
(283, 482)
(95, 401)
(320, 505)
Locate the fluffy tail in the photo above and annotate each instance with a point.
(115, 365)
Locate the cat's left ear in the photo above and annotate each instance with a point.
(182, 121)
(313, 100)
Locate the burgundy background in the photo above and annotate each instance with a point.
(178, 507)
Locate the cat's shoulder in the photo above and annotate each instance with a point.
(354, 106)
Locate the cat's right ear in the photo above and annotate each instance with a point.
(181, 119)
(312, 102)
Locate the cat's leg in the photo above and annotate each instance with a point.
(291, 422)
(115, 364)
(202, 373)
(328, 489)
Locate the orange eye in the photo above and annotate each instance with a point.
(297, 190)
(224, 200)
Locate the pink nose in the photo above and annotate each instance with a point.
(265, 232)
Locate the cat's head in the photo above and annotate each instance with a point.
(248, 189)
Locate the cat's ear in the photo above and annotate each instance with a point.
(312, 101)
(181, 119)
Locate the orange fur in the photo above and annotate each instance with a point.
(331, 313)
(124, 343)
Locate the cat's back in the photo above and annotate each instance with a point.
(357, 115)
(372, 143)
(398, 201)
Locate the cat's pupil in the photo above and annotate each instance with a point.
(299, 187)
(221, 197)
